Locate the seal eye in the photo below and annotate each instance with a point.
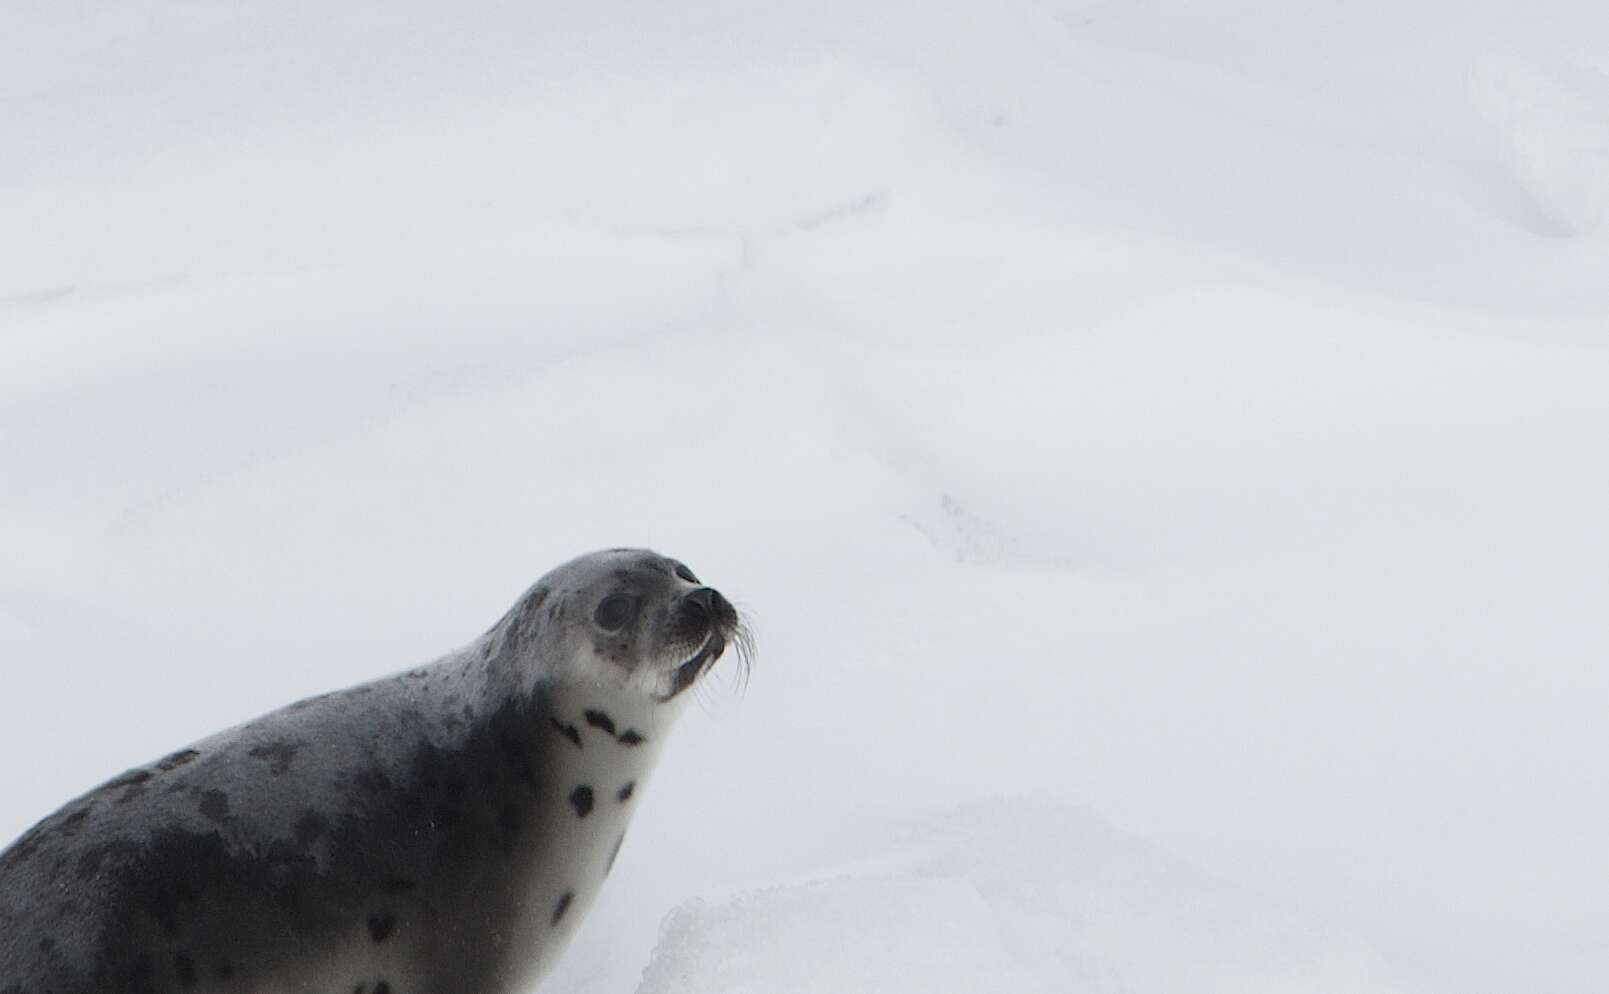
(685, 573)
(615, 611)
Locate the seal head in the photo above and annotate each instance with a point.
(626, 621)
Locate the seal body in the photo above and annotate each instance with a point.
(439, 831)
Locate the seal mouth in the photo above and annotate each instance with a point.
(685, 674)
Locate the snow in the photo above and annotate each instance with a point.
(1020, 895)
(1160, 446)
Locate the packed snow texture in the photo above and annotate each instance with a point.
(1160, 446)
(1007, 896)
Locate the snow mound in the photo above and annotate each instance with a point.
(1018, 895)
(883, 935)
(1551, 114)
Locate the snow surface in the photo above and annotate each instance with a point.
(1007, 895)
(1180, 417)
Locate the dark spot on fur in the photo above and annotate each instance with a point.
(382, 925)
(581, 800)
(214, 804)
(597, 719)
(359, 988)
(396, 885)
(538, 595)
(185, 969)
(47, 944)
(625, 792)
(131, 783)
(129, 779)
(630, 737)
(177, 760)
(382, 988)
(310, 827)
(613, 853)
(563, 906)
(568, 731)
(278, 755)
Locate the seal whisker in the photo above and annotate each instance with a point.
(701, 698)
(743, 647)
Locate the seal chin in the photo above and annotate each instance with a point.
(685, 674)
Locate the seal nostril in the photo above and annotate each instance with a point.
(722, 610)
(704, 599)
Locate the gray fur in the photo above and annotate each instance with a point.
(440, 831)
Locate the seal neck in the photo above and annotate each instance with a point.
(490, 673)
